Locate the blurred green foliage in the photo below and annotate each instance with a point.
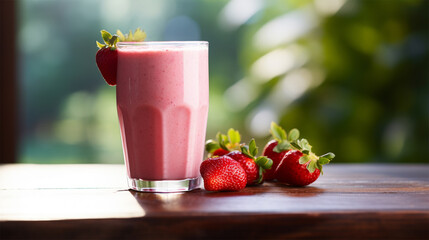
(351, 75)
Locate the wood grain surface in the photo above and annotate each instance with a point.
(92, 202)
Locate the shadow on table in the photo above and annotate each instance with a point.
(177, 203)
(194, 201)
(294, 191)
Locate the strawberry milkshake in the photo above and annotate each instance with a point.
(162, 102)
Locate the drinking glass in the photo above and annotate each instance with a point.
(162, 100)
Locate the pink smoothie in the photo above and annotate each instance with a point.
(162, 101)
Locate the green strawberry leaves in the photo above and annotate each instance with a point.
(282, 146)
(284, 141)
(253, 149)
(324, 159)
(304, 159)
(100, 45)
(222, 141)
(229, 142)
(234, 137)
(111, 40)
(291, 141)
(312, 166)
(263, 162)
(314, 161)
(106, 36)
(250, 150)
(260, 175)
(211, 146)
(138, 36)
(278, 132)
(328, 155)
(302, 145)
(293, 135)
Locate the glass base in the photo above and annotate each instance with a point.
(164, 185)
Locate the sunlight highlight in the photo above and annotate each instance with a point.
(32, 205)
(239, 95)
(259, 121)
(285, 29)
(238, 12)
(328, 7)
(278, 62)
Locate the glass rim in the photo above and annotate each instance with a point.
(162, 43)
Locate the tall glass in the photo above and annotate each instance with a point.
(162, 100)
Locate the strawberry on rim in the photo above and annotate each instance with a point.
(107, 55)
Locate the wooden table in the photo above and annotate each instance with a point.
(92, 201)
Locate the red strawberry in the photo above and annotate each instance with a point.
(248, 164)
(107, 61)
(293, 161)
(254, 166)
(220, 152)
(278, 147)
(292, 172)
(300, 169)
(276, 157)
(223, 174)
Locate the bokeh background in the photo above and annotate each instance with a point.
(352, 75)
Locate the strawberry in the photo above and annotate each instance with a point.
(220, 152)
(301, 167)
(107, 60)
(229, 145)
(248, 164)
(277, 148)
(223, 174)
(107, 55)
(276, 157)
(254, 166)
(224, 143)
(294, 173)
